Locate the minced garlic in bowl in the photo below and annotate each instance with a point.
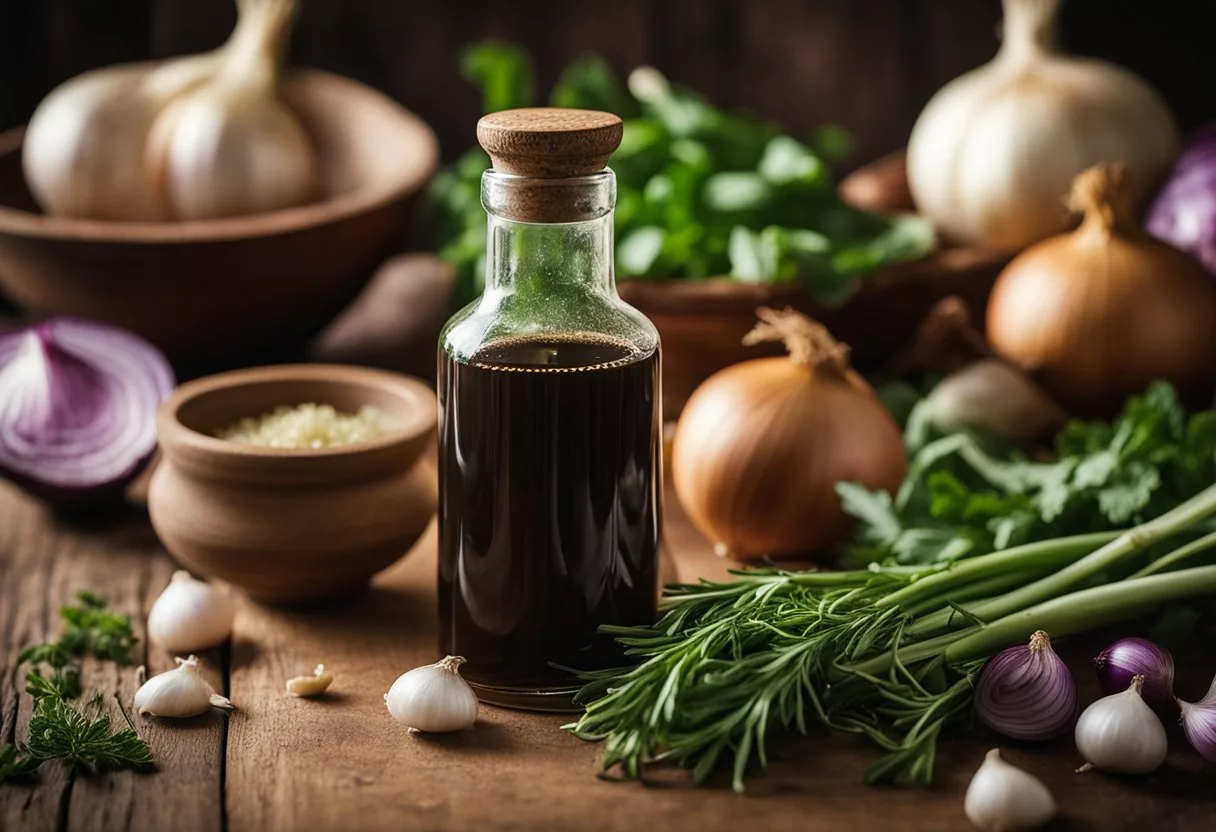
(307, 426)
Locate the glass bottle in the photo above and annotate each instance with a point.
(550, 430)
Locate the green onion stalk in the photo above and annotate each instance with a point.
(889, 652)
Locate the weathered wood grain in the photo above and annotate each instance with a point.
(43, 563)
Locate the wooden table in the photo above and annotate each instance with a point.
(341, 763)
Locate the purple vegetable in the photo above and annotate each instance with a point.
(78, 408)
(1027, 692)
(1130, 657)
(1198, 721)
(1184, 213)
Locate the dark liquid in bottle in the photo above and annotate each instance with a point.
(549, 517)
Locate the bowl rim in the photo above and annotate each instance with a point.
(425, 161)
(172, 432)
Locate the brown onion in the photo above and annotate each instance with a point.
(1099, 313)
(761, 445)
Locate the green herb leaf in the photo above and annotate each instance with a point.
(590, 84)
(987, 495)
(62, 684)
(85, 737)
(16, 766)
(788, 160)
(503, 73)
(639, 250)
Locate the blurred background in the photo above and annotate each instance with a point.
(753, 217)
(868, 65)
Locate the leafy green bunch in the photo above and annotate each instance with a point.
(59, 730)
(966, 494)
(700, 192)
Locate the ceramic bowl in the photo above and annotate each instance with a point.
(292, 525)
(211, 293)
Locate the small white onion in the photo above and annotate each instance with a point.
(1121, 734)
(190, 615)
(434, 698)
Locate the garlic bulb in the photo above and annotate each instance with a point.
(1121, 734)
(313, 685)
(231, 147)
(195, 137)
(1003, 798)
(190, 615)
(433, 698)
(993, 153)
(83, 153)
(179, 693)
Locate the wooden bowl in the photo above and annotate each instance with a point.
(702, 323)
(217, 291)
(292, 525)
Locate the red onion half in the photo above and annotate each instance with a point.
(1026, 692)
(77, 407)
(1129, 657)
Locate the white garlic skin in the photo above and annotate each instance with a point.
(433, 698)
(178, 693)
(1121, 734)
(190, 615)
(1003, 798)
(992, 155)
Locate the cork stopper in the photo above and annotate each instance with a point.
(549, 142)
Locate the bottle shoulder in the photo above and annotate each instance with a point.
(496, 316)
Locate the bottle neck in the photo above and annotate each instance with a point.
(549, 237)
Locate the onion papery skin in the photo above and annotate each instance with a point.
(1184, 212)
(1127, 658)
(1026, 692)
(761, 445)
(78, 407)
(1096, 319)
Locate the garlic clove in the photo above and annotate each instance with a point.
(179, 693)
(313, 685)
(996, 397)
(231, 147)
(434, 698)
(1003, 798)
(190, 615)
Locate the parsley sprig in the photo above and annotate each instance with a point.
(77, 736)
(965, 495)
